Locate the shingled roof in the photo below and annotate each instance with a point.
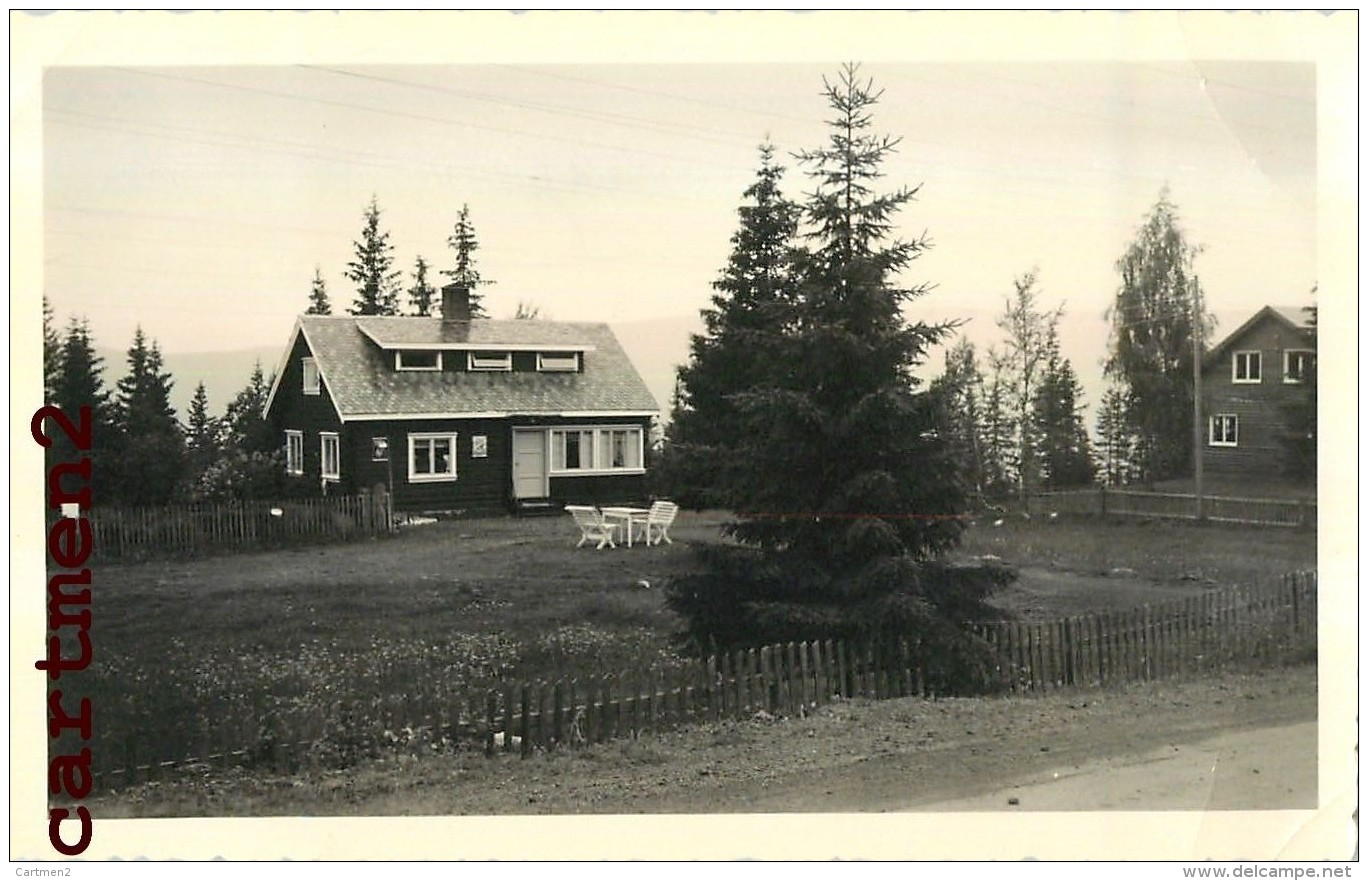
(354, 358)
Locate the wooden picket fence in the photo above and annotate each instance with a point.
(221, 527)
(1272, 623)
(1107, 502)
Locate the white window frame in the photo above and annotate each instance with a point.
(294, 452)
(329, 439)
(558, 362)
(313, 380)
(1230, 420)
(417, 439)
(400, 365)
(489, 361)
(1288, 376)
(601, 439)
(1252, 356)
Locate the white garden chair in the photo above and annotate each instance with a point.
(658, 522)
(592, 526)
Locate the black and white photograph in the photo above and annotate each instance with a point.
(870, 435)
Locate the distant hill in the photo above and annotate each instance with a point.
(224, 374)
(657, 347)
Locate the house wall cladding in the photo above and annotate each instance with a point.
(482, 485)
(1260, 406)
(311, 414)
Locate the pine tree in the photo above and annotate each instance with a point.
(839, 409)
(753, 298)
(527, 311)
(1025, 351)
(960, 406)
(1116, 446)
(1065, 454)
(318, 296)
(1151, 340)
(422, 294)
(464, 242)
(377, 283)
(52, 352)
(203, 444)
(79, 383)
(151, 462)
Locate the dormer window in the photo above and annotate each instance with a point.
(489, 361)
(417, 360)
(557, 362)
(312, 385)
(1247, 367)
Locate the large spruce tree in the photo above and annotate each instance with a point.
(372, 270)
(838, 458)
(1152, 323)
(841, 481)
(753, 301)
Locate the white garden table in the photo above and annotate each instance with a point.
(630, 518)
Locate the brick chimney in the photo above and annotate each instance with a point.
(456, 302)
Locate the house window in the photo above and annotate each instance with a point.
(431, 457)
(294, 452)
(567, 362)
(489, 361)
(312, 386)
(1247, 367)
(1223, 431)
(414, 360)
(330, 454)
(596, 450)
(1298, 364)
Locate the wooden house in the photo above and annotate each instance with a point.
(460, 414)
(1249, 381)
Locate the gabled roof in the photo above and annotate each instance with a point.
(1295, 319)
(355, 359)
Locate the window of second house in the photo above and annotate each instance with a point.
(294, 452)
(312, 386)
(431, 456)
(1223, 430)
(1298, 364)
(1247, 367)
(330, 454)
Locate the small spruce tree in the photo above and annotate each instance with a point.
(464, 243)
(377, 282)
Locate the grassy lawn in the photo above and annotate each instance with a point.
(319, 643)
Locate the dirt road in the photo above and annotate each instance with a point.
(1151, 746)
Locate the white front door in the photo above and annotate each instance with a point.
(529, 464)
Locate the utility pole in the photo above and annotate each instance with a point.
(1197, 394)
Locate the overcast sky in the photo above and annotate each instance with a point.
(187, 191)
(198, 200)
